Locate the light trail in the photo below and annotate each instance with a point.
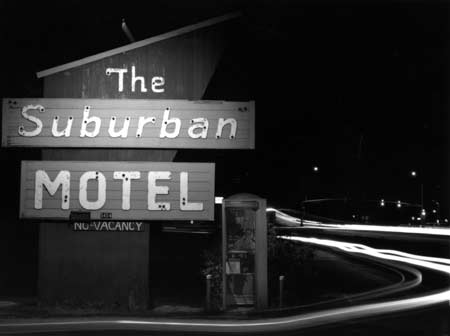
(391, 229)
(277, 325)
(289, 220)
(393, 255)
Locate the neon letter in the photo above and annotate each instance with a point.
(154, 190)
(126, 178)
(156, 83)
(135, 78)
(119, 71)
(101, 190)
(33, 119)
(86, 120)
(221, 124)
(65, 132)
(199, 123)
(166, 121)
(184, 202)
(141, 123)
(123, 132)
(42, 179)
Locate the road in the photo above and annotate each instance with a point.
(421, 309)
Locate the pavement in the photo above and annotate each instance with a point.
(420, 313)
(351, 277)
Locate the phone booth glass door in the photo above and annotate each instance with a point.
(240, 255)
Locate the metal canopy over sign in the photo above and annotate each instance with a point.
(117, 190)
(128, 123)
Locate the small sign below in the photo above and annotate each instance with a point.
(106, 215)
(121, 226)
(80, 216)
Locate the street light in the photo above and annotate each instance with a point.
(423, 213)
(315, 168)
(437, 211)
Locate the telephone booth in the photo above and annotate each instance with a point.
(244, 244)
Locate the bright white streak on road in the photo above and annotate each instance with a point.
(412, 259)
(415, 256)
(272, 324)
(278, 324)
(392, 229)
(286, 219)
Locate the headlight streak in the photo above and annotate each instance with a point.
(286, 219)
(268, 324)
(419, 257)
(392, 229)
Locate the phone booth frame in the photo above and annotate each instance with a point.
(254, 210)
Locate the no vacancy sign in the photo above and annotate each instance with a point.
(117, 190)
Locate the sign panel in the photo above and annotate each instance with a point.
(117, 190)
(127, 123)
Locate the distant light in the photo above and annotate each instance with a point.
(446, 220)
(434, 210)
(413, 218)
(399, 204)
(423, 213)
(382, 202)
(354, 216)
(315, 168)
(413, 173)
(418, 218)
(437, 221)
(218, 200)
(192, 222)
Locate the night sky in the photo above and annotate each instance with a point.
(359, 89)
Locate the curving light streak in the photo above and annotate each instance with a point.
(415, 256)
(272, 324)
(289, 220)
(392, 229)
(412, 259)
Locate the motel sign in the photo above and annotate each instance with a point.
(108, 127)
(125, 190)
(127, 123)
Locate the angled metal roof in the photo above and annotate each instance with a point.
(139, 44)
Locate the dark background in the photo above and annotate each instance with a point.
(359, 89)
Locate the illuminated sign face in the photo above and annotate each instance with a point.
(127, 123)
(117, 190)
